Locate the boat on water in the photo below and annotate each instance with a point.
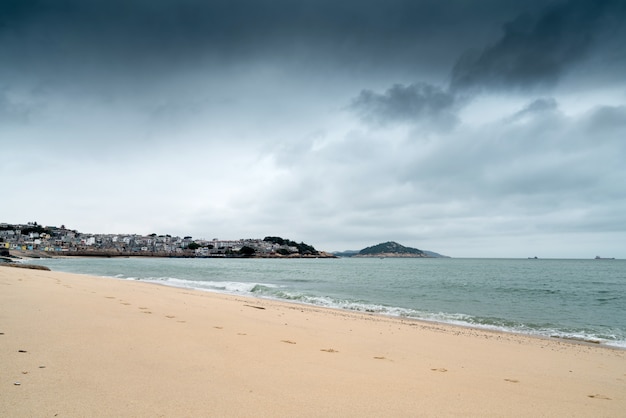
(604, 258)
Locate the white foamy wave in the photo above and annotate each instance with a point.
(457, 319)
(357, 306)
(272, 291)
(619, 344)
(612, 341)
(214, 286)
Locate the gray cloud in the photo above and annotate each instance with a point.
(13, 113)
(537, 107)
(608, 119)
(538, 51)
(549, 160)
(409, 104)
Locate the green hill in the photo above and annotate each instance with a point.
(390, 249)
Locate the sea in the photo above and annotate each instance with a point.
(573, 299)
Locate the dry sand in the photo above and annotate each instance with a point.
(81, 346)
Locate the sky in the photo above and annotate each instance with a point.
(493, 128)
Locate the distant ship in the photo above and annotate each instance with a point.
(603, 258)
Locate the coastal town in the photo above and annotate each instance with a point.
(52, 241)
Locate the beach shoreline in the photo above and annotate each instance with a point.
(405, 320)
(87, 346)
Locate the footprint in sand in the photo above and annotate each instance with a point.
(125, 303)
(511, 380)
(380, 358)
(218, 327)
(170, 316)
(329, 350)
(241, 333)
(598, 396)
(110, 297)
(441, 369)
(287, 341)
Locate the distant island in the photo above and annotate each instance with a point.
(390, 249)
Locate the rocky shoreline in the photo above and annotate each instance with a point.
(24, 266)
(8, 260)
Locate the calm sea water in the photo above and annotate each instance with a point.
(583, 299)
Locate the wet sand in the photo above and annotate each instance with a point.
(76, 346)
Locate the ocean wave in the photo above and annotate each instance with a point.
(230, 287)
(276, 292)
(458, 319)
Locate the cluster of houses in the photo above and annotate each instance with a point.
(62, 241)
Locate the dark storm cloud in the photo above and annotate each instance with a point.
(412, 103)
(109, 38)
(538, 51)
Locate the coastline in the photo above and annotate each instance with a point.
(111, 347)
(35, 254)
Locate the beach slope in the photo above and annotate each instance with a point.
(76, 346)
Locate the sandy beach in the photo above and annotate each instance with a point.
(76, 346)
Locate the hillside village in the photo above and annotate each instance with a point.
(61, 241)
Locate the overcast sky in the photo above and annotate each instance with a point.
(492, 128)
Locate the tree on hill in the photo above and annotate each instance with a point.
(193, 245)
(247, 251)
(274, 240)
(36, 228)
(303, 248)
